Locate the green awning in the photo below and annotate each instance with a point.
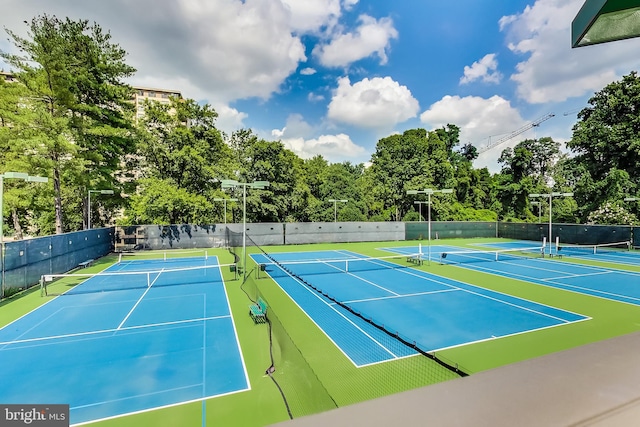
(601, 21)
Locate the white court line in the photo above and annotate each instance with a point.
(110, 330)
(138, 302)
(122, 399)
(563, 286)
(416, 294)
(431, 279)
(569, 276)
(315, 294)
(357, 277)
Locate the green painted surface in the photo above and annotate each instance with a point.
(317, 376)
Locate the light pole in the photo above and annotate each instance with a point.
(11, 175)
(230, 183)
(89, 204)
(539, 205)
(550, 196)
(335, 207)
(429, 192)
(632, 199)
(221, 199)
(420, 203)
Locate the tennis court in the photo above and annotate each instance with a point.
(519, 262)
(434, 312)
(138, 336)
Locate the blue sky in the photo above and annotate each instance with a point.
(332, 77)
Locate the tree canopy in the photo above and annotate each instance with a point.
(70, 117)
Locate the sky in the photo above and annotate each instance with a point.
(333, 77)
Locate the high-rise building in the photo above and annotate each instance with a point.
(143, 94)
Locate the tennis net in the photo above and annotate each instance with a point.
(335, 266)
(567, 249)
(285, 268)
(469, 256)
(82, 283)
(154, 256)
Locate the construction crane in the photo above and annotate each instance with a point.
(517, 132)
(575, 110)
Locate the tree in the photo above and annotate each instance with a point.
(180, 143)
(414, 160)
(82, 114)
(162, 202)
(287, 195)
(607, 134)
(611, 214)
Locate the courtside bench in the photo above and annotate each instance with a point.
(258, 311)
(85, 264)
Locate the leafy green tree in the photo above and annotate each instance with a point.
(179, 142)
(607, 134)
(287, 196)
(179, 146)
(531, 158)
(163, 202)
(81, 111)
(414, 160)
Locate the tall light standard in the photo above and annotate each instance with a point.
(420, 203)
(335, 207)
(550, 196)
(632, 199)
(539, 205)
(11, 175)
(89, 204)
(230, 183)
(221, 199)
(429, 192)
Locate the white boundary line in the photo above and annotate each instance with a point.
(405, 270)
(331, 306)
(562, 286)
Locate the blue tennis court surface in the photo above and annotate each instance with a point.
(129, 349)
(618, 253)
(432, 311)
(610, 283)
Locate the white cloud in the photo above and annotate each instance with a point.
(295, 136)
(229, 119)
(313, 15)
(315, 97)
(295, 127)
(378, 103)
(479, 119)
(486, 69)
(308, 71)
(371, 37)
(552, 70)
(348, 4)
(228, 49)
(334, 148)
(243, 49)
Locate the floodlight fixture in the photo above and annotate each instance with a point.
(335, 207)
(420, 203)
(225, 200)
(550, 196)
(231, 183)
(429, 192)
